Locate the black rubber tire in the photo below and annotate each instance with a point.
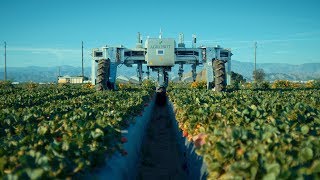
(103, 75)
(220, 75)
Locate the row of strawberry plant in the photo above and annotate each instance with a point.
(68, 137)
(253, 134)
(36, 96)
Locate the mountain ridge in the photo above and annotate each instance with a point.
(274, 71)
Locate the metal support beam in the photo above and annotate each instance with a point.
(180, 71)
(93, 72)
(228, 69)
(148, 72)
(194, 41)
(113, 74)
(209, 55)
(194, 72)
(181, 41)
(163, 79)
(139, 41)
(139, 72)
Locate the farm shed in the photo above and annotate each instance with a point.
(70, 79)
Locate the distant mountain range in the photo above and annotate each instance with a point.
(273, 71)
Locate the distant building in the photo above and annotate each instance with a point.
(71, 79)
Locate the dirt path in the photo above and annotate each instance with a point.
(161, 158)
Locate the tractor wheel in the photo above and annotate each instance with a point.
(220, 75)
(103, 75)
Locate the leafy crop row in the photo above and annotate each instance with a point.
(252, 134)
(63, 132)
(26, 97)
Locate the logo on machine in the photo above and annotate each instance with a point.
(160, 46)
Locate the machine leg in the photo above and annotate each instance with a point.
(112, 76)
(161, 87)
(103, 74)
(166, 78)
(162, 80)
(220, 75)
(180, 72)
(139, 72)
(148, 72)
(194, 72)
(209, 74)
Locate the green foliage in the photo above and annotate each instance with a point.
(179, 85)
(316, 84)
(253, 134)
(259, 75)
(263, 85)
(62, 131)
(5, 84)
(237, 78)
(233, 87)
(7, 87)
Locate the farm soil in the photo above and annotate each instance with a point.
(160, 155)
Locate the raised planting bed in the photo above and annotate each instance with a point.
(123, 164)
(252, 134)
(67, 132)
(193, 163)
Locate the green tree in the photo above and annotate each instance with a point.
(259, 75)
(237, 78)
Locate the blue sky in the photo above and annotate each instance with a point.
(49, 33)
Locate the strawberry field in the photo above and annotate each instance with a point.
(54, 131)
(252, 134)
(61, 131)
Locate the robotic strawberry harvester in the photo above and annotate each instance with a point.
(160, 55)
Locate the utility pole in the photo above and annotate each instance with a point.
(82, 61)
(255, 56)
(58, 74)
(5, 61)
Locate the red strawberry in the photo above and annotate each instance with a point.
(59, 139)
(124, 140)
(184, 133)
(199, 140)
